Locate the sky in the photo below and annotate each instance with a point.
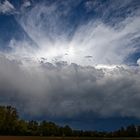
(74, 62)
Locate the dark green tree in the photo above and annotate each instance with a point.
(8, 120)
(33, 128)
(67, 131)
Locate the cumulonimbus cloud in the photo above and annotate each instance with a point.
(69, 90)
(71, 71)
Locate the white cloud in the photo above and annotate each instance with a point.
(63, 90)
(107, 45)
(138, 62)
(26, 4)
(6, 7)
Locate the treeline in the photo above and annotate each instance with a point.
(129, 131)
(11, 124)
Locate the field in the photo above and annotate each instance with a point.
(59, 138)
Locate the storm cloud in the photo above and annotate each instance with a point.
(70, 90)
(71, 58)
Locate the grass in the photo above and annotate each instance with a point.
(59, 138)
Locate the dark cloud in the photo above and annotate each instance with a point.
(70, 90)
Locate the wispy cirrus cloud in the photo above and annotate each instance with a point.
(27, 3)
(108, 45)
(6, 7)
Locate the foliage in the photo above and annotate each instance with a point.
(11, 124)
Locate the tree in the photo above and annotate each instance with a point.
(67, 131)
(131, 131)
(138, 131)
(10, 124)
(33, 128)
(8, 120)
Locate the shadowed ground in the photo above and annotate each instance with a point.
(59, 138)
